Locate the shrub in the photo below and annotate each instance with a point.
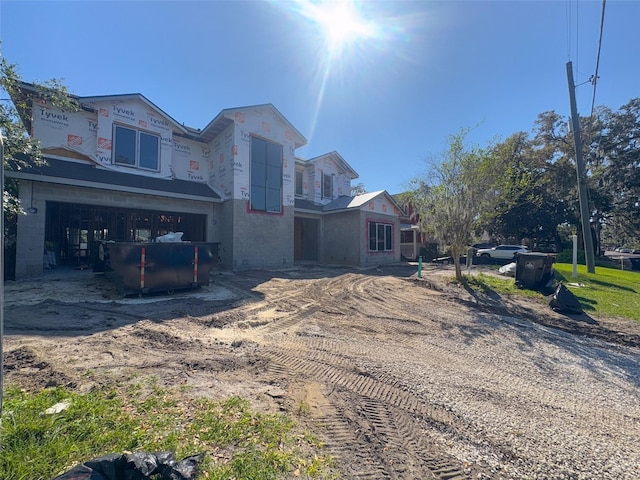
(429, 251)
(566, 256)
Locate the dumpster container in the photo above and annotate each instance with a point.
(533, 270)
(140, 268)
(635, 263)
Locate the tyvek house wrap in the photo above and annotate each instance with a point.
(190, 160)
(56, 128)
(91, 134)
(220, 162)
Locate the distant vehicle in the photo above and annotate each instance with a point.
(545, 247)
(506, 252)
(635, 250)
(478, 246)
(624, 250)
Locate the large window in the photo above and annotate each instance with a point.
(136, 148)
(266, 176)
(327, 186)
(380, 237)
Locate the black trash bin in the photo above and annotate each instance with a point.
(635, 263)
(534, 270)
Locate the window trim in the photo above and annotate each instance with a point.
(388, 239)
(138, 132)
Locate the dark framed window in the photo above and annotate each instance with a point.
(299, 189)
(266, 176)
(406, 236)
(380, 237)
(327, 186)
(135, 148)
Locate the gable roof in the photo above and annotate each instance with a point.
(136, 96)
(27, 92)
(225, 118)
(338, 160)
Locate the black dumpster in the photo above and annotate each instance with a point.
(533, 270)
(140, 268)
(635, 263)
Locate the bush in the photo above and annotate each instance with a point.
(566, 256)
(429, 251)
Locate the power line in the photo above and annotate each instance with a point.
(595, 77)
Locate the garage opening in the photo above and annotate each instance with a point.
(72, 229)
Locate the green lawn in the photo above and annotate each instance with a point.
(237, 442)
(609, 292)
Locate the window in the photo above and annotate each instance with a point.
(380, 237)
(266, 176)
(299, 190)
(136, 148)
(406, 236)
(327, 186)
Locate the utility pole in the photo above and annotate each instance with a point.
(582, 188)
(2, 206)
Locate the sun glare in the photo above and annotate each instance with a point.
(346, 30)
(340, 23)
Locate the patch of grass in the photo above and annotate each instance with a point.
(609, 291)
(489, 284)
(239, 443)
(303, 408)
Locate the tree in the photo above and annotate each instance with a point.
(20, 150)
(358, 189)
(620, 148)
(449, 198)
(527, 180)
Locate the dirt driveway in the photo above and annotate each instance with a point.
(402, 378)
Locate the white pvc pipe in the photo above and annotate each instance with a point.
(575, 255)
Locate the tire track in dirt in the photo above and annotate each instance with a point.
(381, 403)
(319, 354)
(474, 361)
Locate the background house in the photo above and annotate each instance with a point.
(121, 169)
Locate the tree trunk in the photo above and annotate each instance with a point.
(456, 262)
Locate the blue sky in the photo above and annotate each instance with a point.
(386, 102)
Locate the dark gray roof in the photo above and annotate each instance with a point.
(66, 171)
(303, 204)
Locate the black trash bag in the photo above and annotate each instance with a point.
(188, 467)
(135, 466)
(563, 301)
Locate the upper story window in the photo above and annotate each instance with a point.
(327, 185)
(299, 188)
(135, 148)
(266, 176)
